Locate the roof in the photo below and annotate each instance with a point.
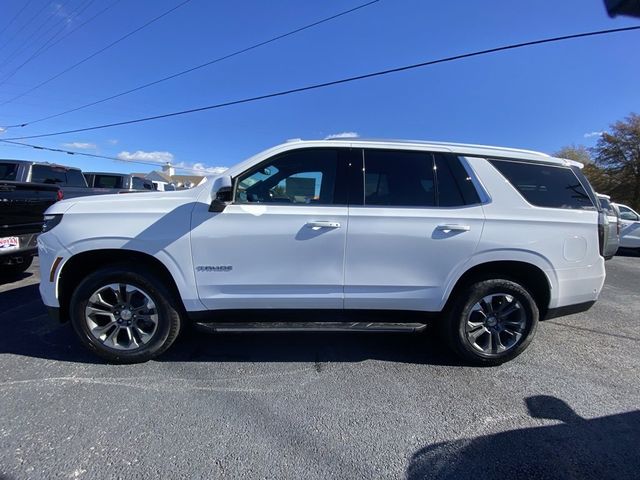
(36, 162)
(194, 179)
(458, 148)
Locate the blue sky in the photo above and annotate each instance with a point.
(540, 98)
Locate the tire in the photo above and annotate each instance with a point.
(467, 312)
(135, 341)
(15, 269)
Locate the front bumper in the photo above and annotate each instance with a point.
(50, 248)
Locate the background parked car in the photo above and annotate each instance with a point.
(613, 216)
(69, 179)
(629, 227)
(22, 207)
(118, 182)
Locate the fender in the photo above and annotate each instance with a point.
(497, 255)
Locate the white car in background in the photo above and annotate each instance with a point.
(339, 235)
(629, 227)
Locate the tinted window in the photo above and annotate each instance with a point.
(47, 174)
(107, 181)
(75, 179)
(300, 177)
(399, 178)
(8, 171)
(455, 187)
(139, 184)
(545, 185)
(57, 175)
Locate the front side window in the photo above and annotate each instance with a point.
(299, 177)
(545, 185)
(627, 214)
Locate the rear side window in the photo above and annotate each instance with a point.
(399, 178)
(454, 186)
(8, 171)
(545, 185)
(416, 179)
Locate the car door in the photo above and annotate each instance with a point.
(419, 220)
(280, 243)
(629, 227)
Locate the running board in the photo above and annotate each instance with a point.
(309, 327)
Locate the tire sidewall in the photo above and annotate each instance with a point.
(468, 299)
(168, 317)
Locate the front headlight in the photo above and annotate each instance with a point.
(51, 221)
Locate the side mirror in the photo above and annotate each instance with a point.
(221, 193)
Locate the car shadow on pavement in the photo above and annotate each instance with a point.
(15, 278)
(27, 330)
(601, 448)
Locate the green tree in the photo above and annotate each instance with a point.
(613, 165)
(618, 154)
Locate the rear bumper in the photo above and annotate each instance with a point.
(577, 286)
(568, 310)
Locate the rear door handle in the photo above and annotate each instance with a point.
(452, 227)
(323, 224)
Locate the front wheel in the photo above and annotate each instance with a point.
(491, 322)
(124, 315)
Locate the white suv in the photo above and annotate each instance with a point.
(485, 241)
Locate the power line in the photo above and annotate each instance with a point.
(95, 155)
(13, 19)
(46, 47)
(24, 25)
(197, 67)
(337, 82)
(38, 33)
(112, 44)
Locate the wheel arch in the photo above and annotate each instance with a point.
(78, 266)
(527, 274)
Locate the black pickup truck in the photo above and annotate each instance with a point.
(22, 207)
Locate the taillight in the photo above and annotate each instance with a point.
(603, 231)
(59, 195)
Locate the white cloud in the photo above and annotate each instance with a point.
(199, 167)
(342, 135)
(80, 145)
(141, 155)
(113, 141)
(2, 129)
(593, 134)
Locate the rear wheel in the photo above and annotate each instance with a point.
(15, 269)
(124, 315)
(491, 322)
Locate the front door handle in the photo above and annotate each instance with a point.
(323, 224)
(453, 227)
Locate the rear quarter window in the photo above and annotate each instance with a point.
(545, 185)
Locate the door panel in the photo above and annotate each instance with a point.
(278, 257)
(419, 220)
(281, 243)
(401, 258)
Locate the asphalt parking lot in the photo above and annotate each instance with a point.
(339, 405)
